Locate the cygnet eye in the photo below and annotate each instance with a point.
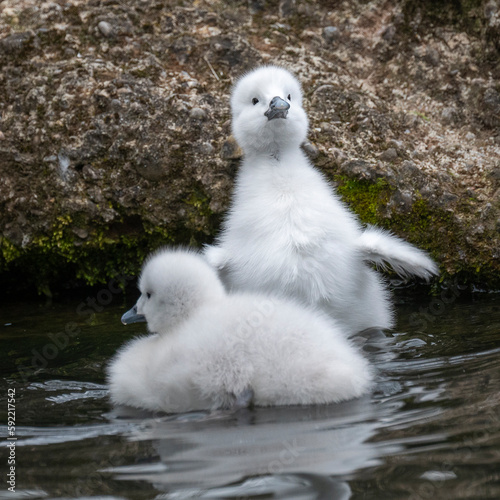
(255, 101)
(148, 295)
(289, 97)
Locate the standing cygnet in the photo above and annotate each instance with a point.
(287, 231)
(211, 349)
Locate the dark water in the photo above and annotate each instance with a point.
(430, 429)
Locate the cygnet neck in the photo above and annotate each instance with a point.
(276, 153)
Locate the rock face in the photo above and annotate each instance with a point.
(115, 125)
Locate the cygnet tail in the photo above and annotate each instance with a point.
(384, 249)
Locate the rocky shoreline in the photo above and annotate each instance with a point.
(115, 125)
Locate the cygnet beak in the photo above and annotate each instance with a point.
(278, 108)
(132, 317)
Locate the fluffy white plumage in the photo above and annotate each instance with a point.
(287, 231)
(211, 347)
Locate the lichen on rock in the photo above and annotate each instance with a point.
(115, 125)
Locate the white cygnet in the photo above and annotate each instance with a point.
(287, 231)
(209, 349)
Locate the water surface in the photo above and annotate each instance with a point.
(429, 429)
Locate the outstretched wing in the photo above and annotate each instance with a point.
(384, 249)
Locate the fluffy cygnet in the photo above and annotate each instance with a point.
(287, 231)
(209, 349)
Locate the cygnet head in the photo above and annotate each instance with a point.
(267, 111)
(173, 284)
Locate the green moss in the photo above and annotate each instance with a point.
(147, 72)
(9, 253)
(40, 112)
(200, 202)
(201, 223)
(57, 241)
(421, 225)
(366, 198)
(60, 257)
(429, 228)
(369, 200)
(420, 115)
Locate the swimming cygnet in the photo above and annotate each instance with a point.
(287, 231)
(209, 349)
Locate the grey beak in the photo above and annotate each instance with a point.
(131, 316)
(278, 108)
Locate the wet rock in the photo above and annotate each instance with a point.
(90, 173)
(106, 29)
(432, 56)
(389, 155)
(281, 27)
(389, 33)
(232, 51)
(490, 9)
(198, 114)
(17, 42)
(448, 198)
(206, 149)
(152, 161)
(136, 96)
(491, 101)
(81, 232)
(287, 7)
(339, 155)
(323, 89)
(449, 115)
(152, 169)
(409, 169)
(256, 6)
(330, 34)
(494, 175)
(401, 201)
(311, 149)
(398, 145)
(183, 47)
(359, 168)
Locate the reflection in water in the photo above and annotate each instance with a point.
(317, 441)
(431, 428)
